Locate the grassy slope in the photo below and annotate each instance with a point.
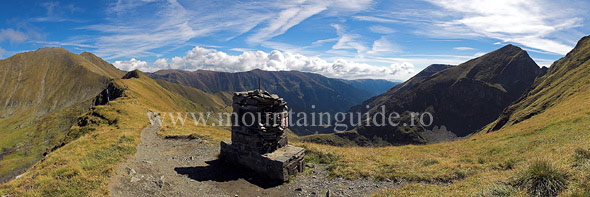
(83, 166)
(208, 101)
(458, 168)
(471, 165)
(551, 88)
(463, 167)
(102, 67)
(41, 102)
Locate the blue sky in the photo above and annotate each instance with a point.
(342, 38)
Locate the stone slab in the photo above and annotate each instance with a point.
(277, 165)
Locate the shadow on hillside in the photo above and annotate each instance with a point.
(220, 171)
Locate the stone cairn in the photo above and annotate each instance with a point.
(258, 139)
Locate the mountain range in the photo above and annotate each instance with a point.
(304, 92)
(67, 121)
(460, 99)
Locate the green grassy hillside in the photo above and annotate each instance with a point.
(102, 67)
(83, 166)
(220, 101)
(566, 77)
(43, 93)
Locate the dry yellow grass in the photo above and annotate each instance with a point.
(551, 136)
(459, 168)
(465, 167)
(83, 166)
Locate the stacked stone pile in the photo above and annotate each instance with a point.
(258, 139)
(260, 122)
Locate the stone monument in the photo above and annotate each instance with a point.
(258, 139)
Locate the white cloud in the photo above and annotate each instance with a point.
(133, 64)
(348, 41)
(130, 31)
(168, 25)
(375, 19)
(210, 59)
(463, 48)
(241, 49)
(381, 29)
(285, 20)
(349, 6)
(161, 63)
(294, 12)
(12, 35)
(543, 62)
(478, 54)
(530, 23)
(383, 45)
(56, 12)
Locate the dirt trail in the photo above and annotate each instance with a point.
(182, 167)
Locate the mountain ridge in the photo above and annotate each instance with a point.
(374, 86)
(551, 88)
(463, 98)
(43, 101)
(419, 77)
(305, 92)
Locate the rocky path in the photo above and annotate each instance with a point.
(182, 167)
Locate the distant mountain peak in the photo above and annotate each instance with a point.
(510, 46)
(433, 68)
(47, 49)
(508, 49)
(565, 77)
(462, 98)
(86, 53)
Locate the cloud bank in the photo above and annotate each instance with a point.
(200, 58)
